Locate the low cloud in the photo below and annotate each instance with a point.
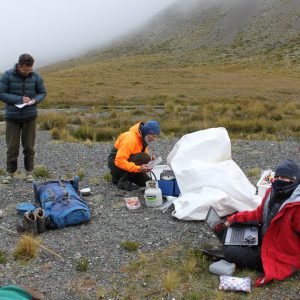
(55, 30)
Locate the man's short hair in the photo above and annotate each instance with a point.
(26, 59)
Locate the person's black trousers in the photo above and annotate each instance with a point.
(26, 132)
(139, 179)
(243, 256)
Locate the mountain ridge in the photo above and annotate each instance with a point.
(218, 29)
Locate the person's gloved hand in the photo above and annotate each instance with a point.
(145, 168)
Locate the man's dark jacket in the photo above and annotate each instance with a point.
(12, 89)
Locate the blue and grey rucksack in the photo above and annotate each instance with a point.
(62, 203)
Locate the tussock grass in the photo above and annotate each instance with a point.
(253, 172)
(52, 120)
(27, 248)
(62, 134)
(241, 120)
(131, 245)
(248, 98)
(181, 272)
(82, 264)
(3, 257)
(107, 177)
(2, 171)
(41, 171)
(170, 280)
(81, 173)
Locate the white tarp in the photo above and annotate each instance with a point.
(207, 176)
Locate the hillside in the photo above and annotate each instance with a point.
(218, 29)
(203, 63)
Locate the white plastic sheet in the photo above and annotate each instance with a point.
(207, 176)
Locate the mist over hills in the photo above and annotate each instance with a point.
(218, 29)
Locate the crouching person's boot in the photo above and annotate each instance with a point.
(41, 221)
(125, 184)
(28, 223)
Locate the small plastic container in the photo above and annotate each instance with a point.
(85, 192)
(132, 203)
(265, 182)
(222, 267)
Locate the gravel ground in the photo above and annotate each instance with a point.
(111, 223)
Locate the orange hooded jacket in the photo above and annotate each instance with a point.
(128, 143)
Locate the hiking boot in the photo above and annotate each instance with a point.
(29, 177)
(213, 253)
(28, 223)
(8, 178)
(40, 218)
(124, 184)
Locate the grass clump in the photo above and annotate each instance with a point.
(27, 248)
(170, 280)
(131, 245)
(189, 266)
(80, 173)
(3, 258)
(82, 264)
(52, 120)
(107, 177)
(61, 134)
(41, 171)
(253, 172)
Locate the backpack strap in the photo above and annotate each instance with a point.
(66, 195)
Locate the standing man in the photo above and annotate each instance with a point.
(21, 89)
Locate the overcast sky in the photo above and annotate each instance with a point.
(54, 30)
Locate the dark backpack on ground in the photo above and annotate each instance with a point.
(62, 203)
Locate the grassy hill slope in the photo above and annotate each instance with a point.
(210, 63)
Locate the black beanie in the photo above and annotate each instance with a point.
(289, 169)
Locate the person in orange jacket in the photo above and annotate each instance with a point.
(129, 156)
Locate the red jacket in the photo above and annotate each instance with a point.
(280, 249)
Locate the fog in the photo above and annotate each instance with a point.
(55, 30)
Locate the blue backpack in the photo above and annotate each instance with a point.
(62, 203)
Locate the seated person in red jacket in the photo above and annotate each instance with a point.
(278, 254)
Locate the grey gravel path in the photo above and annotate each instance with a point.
(111, 223)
